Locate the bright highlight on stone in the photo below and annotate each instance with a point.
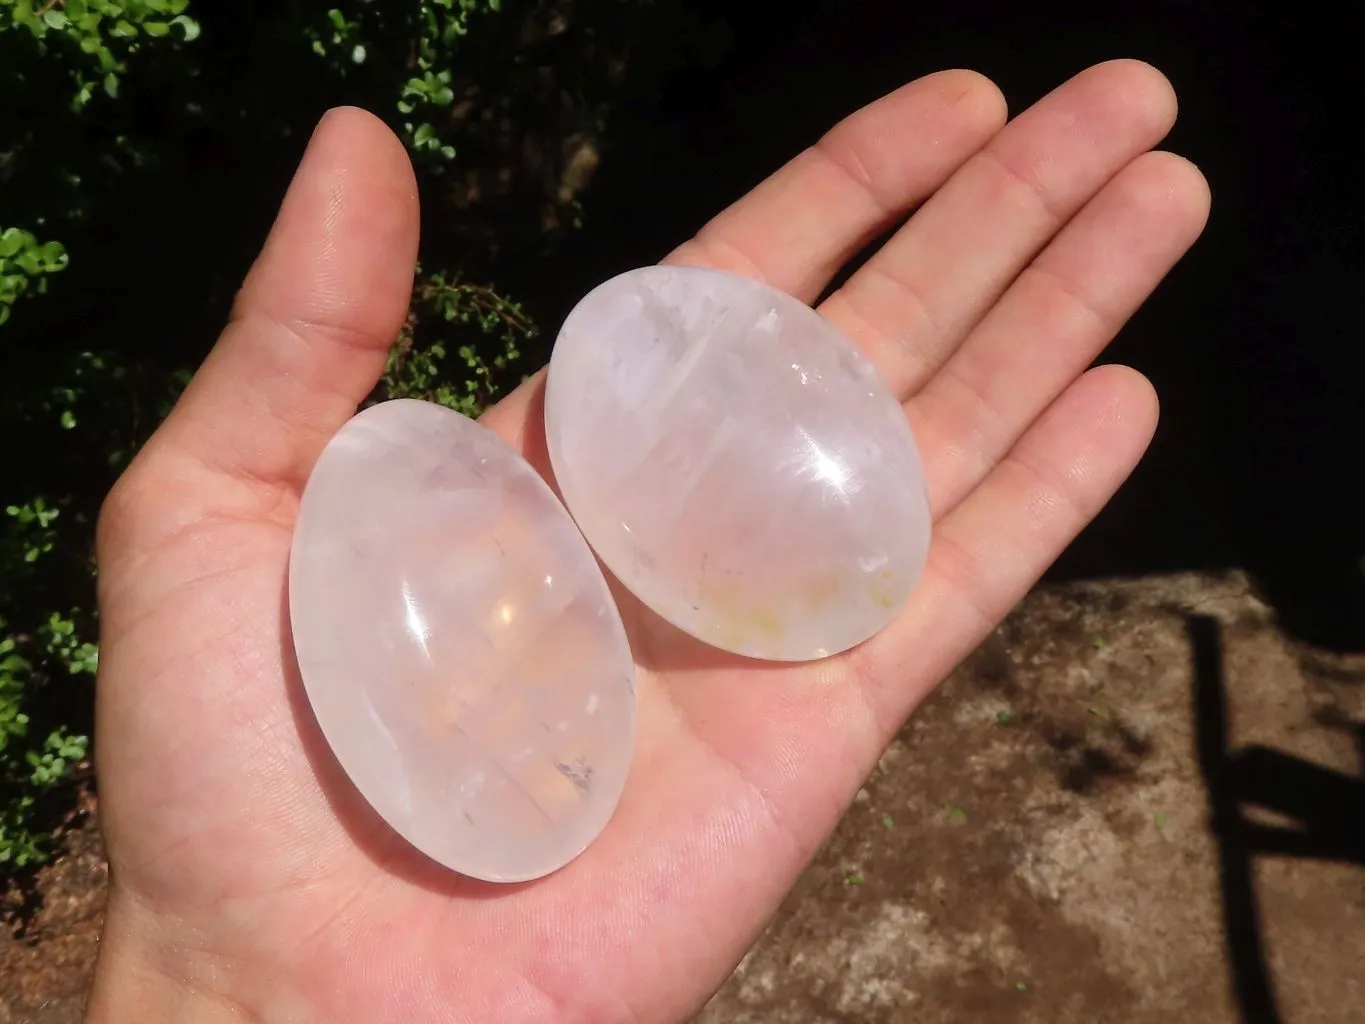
(459, 645)
(737, 462)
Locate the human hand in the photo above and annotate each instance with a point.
(250, 882)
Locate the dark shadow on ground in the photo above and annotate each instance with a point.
(1328, 806)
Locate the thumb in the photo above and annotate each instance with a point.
(316, 316)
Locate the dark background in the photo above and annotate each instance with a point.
(1251, 342)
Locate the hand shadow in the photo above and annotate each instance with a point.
(1328, 805)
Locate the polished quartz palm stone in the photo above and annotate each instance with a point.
(736, 461)
(458, 643)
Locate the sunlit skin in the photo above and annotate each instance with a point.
(248, 882)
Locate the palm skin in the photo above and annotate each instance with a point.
(249, 881)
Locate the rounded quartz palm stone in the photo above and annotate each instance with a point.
(458, 643)
(736, 461)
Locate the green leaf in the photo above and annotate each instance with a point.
(55, 19)
(187, 25)
(54, 256)
(11, 241)
(156, 29)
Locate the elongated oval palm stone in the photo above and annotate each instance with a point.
(736, 461)
(458, 643)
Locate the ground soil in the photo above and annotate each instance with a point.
(1036, 845)
(51, 932)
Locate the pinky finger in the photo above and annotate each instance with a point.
(992, 548)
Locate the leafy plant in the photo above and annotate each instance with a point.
(95, 39)
(486, 330)
(144, 148)
(25, 264)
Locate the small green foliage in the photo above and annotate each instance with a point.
(1099, 643)
(888, 821)
(853, 879)
(62, 643)
(50, 764)
(1003, 717)
(1162, 820)
(36, 657)
(31, 534)
(957, 814)
(425, 93)
(19, 844)
(486, 331)
(95, 39)
(25, 264)
(29, 664)
(1021, 986)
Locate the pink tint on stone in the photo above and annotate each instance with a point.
(737, 462)
(459, 645)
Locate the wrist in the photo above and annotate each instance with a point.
(142, 976)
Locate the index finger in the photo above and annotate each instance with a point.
(798, 227)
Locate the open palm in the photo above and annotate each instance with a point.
(249, 881)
